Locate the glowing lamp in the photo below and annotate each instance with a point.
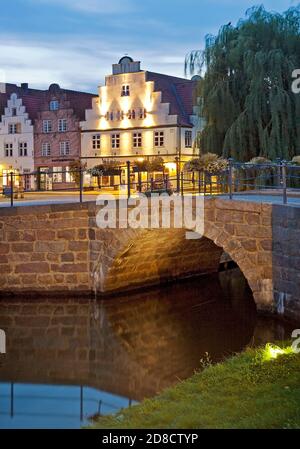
(271, 352)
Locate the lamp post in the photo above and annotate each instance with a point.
(128, 179)
(177, 174)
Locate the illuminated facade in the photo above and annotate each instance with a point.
(16, 143)
(140, 114)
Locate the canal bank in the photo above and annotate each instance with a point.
(258, 389)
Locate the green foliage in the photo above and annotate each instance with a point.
(75, 168)
(248, 391)
(248, 104)
(209, 162)
(107, 168)
(156, 164)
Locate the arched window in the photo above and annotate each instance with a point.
(54, 105)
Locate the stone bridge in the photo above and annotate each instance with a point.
(59, 248)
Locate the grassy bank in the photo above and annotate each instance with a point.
(259, 388)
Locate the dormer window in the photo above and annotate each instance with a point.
(125, 91)
(54, 105)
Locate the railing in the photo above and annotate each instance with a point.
(279, 178)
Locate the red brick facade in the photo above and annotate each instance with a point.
(58, 146)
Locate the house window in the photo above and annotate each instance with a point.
(69, 174)
(47, 126)
(54, 105)
(111, 116)
(12, 128)
(125, 91)
(131, 114)
(64, 148)
(137, 140)
(142, 113)
(8, 150)
(57, 174)
(46, 149)
(14, 112)
(96, 142)
(23, 149)
(159, 138)
(188, 139)
(115, 141)
(62, 125)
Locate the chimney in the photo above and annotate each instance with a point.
(24, 86)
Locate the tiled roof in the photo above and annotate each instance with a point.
(35, 99)
(179, 92)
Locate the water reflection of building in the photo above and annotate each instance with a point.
(134, 349)
(139, 115)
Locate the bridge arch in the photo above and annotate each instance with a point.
(130, 258)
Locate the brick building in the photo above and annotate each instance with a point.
(57, 141)
(40, 135)
(18, 109)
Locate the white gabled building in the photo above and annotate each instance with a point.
(16, 142)
(140, 114)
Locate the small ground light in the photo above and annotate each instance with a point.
(272, 351)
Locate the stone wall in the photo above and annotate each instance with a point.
(244, 231)
(44, 248)
(286, 260)
(59, 248)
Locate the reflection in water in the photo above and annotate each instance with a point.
(66, 356)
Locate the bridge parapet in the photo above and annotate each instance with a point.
(59, 248)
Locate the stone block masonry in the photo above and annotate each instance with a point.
(59, 248)
(44, 249)
(286, 260)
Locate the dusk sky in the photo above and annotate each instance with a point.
(75, 42)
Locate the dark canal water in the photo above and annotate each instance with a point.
(69, 359)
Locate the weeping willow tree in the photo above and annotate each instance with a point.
(247, 100)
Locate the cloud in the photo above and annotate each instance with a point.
(92, 6)
(80, 63)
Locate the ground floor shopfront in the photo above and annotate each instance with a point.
(22, 180)
(130, 167)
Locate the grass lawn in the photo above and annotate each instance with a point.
(259, 388)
